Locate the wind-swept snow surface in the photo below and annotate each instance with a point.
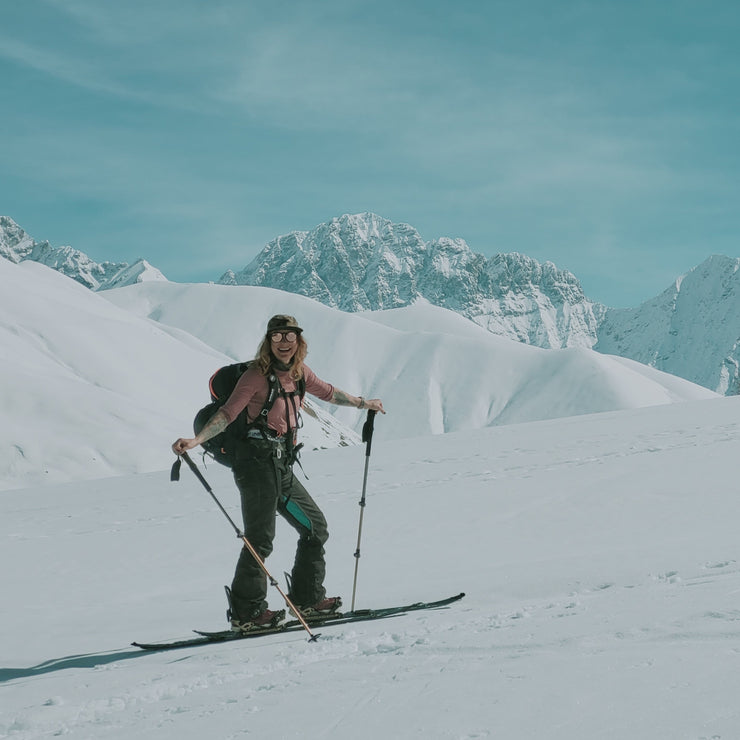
(88, 389)
(91, 389)
(436, 371)
(599, 555)
(598, 552)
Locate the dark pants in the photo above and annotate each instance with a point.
(268, 487)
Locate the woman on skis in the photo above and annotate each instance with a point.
(263, 472)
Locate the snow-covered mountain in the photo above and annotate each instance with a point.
(16, 245)
(692, 329)
(598, 553)
(436, 371)
(365, 262)
(82, 378)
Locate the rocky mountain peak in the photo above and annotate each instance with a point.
(366, 262)
(15, 244)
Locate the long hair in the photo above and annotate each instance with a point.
(265, 358)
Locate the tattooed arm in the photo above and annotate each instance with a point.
(215, 425)
(341, 398)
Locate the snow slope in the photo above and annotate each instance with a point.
(363, 261)
(599, 555)
(598, 552)
(88, 389)
(436, 371)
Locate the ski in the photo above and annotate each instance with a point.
(359, 615)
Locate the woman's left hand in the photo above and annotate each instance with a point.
(374, 404)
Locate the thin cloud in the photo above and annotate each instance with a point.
(514, 126)
(61, 67)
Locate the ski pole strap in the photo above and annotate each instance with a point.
(367, 431)
(175, 472)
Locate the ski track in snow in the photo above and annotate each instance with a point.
(599, 553)
(459, 640)
(564, 458)
(599, 556)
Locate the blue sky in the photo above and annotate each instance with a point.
(602, 136)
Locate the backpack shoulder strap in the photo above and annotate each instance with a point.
(273, 391)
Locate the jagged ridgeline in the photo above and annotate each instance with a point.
(16, 245)
(365, 262)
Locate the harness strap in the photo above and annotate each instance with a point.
(259, 424)
(290, 436)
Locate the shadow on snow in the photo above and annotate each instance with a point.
(88, 660)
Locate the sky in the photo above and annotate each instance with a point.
(599, 135)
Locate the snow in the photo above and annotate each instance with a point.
(423, 361)
(141, 271)
(90, 390)
(598, 551)
(690, 329)
(599, 555)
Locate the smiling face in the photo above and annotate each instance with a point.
(283, 345)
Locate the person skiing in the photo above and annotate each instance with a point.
(263, 472)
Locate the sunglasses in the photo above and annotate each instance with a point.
(287, 336)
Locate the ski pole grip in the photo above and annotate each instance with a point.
(367, 431)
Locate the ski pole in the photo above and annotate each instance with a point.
(367, 437)
(175, 475)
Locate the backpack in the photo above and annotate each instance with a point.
(222, 447)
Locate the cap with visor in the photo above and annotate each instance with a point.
(283, 322)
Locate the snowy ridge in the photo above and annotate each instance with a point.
(100, 375)
(436, 371)
(364, 262)
(139, 272)
(90, 390)
(17, 246)
(692, 329)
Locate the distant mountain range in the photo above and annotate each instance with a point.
(365, 262)
(16, 245)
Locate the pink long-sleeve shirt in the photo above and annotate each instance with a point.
(251, 389)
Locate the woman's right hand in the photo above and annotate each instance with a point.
(183, 445)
